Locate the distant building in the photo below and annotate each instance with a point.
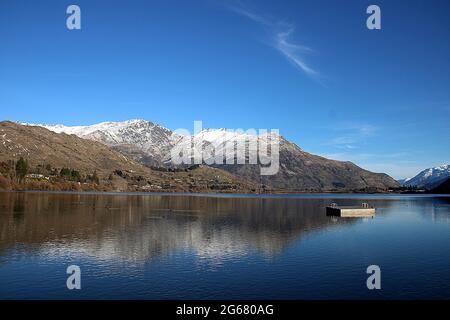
(36, 176)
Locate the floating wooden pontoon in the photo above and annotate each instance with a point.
(364, 211)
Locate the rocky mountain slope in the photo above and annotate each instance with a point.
(443, 188)
(300, 170)
(150, 144)
(141, 140)
(429, 178)
(42, 147)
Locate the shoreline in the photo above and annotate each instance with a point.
(234, 195)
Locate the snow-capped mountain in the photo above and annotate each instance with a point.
(429, 178)
(225, 144)
(143, 140)
(152, 145)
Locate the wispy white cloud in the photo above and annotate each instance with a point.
(349, 135)
(239, 9)
(281, 38)
(293, 52)
(362, 129)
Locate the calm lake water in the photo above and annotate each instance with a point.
(221, 247)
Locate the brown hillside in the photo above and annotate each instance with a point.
(42, 147)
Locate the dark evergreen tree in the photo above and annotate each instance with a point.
(95, 178)
(21, 168)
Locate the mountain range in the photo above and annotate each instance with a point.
(149, 144)
(143, 141)
(429, 178)
(43, 148)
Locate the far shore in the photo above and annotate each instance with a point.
(232, 195)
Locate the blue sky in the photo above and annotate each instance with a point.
(311, 69)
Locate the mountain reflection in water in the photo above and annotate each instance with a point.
(225, 247)
(137, 228)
